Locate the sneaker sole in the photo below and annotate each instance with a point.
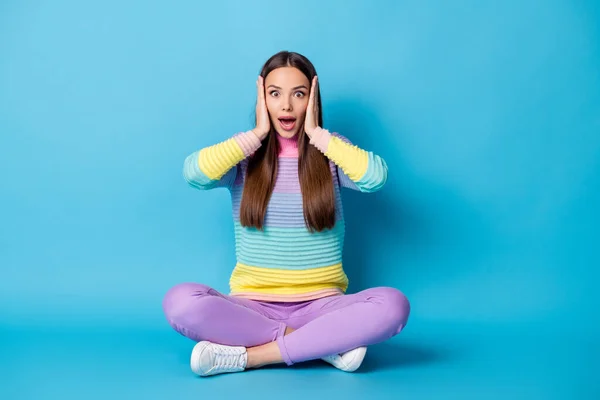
(356, 361)
(195, 357)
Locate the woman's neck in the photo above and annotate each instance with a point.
(288, 147)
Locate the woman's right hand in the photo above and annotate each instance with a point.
(263, 125)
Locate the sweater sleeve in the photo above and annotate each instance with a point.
(357, 169)
(213, 166)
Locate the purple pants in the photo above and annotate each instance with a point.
(325, 326)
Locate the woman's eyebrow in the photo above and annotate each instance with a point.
(297, 87)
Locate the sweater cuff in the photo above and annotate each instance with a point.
(248, 141)
(320, 139)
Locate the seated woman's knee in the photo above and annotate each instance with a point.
(396, 308)
(180, 298)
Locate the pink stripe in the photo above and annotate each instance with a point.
(289, 298)
(248, 141)
(320, 139)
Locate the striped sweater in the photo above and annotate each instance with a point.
(285, 262)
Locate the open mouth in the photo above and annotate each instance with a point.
(287, 123)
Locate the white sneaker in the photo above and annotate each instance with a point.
(211, 358)
(348, 361)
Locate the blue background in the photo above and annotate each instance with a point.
(487, 113)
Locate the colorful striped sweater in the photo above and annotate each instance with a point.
(285, 262)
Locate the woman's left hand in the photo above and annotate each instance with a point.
(311, 121)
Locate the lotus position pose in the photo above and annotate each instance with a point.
(287, 301)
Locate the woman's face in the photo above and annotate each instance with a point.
(286, 94)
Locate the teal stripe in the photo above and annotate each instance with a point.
(289, 248)
(375, 176)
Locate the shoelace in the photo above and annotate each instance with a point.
(227, 357)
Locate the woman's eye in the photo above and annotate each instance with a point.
(299, 94)
(274, 93)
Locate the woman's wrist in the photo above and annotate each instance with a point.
(248, 141)
(260, 135)
(320, 138)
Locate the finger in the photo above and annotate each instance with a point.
(311, 97)
(262, 88)
(257, 95)
(315, 93)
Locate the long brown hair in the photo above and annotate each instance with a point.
(316, 180)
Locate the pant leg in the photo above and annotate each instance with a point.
(340, 323)
(202, 313)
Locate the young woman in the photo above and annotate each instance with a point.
(287, 300)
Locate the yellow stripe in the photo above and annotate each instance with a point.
(247, 278)
(216, 160)
(353, 160)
